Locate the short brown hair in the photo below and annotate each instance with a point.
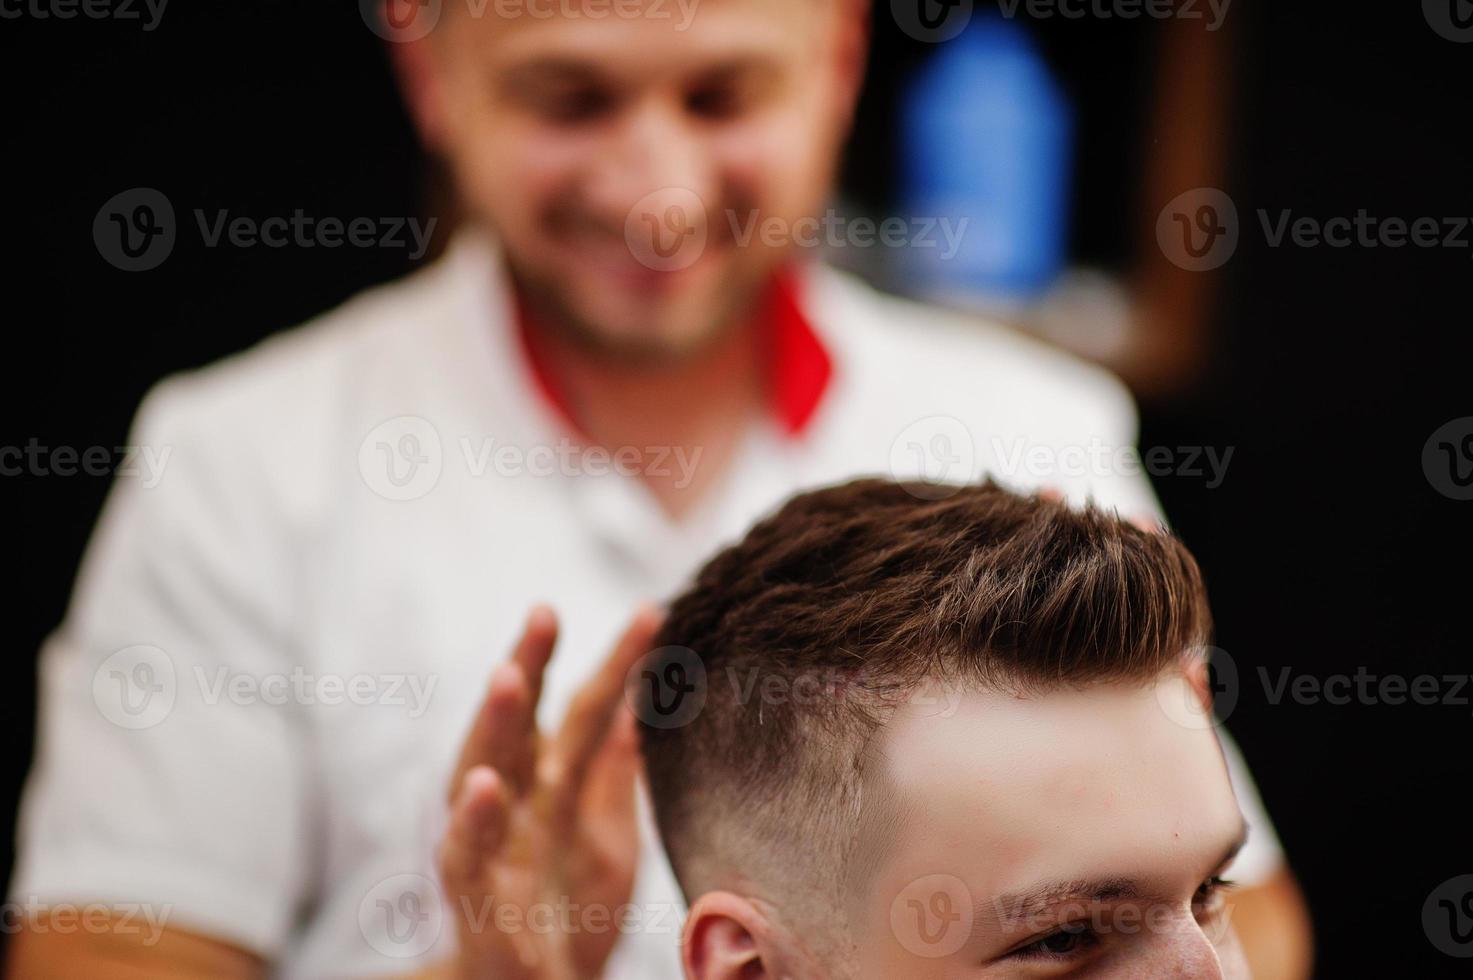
(873, 588)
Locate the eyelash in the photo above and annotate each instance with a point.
(1209, 892)
(1037, 950)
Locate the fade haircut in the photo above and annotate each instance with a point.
(843, 604)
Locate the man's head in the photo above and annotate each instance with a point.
(603, 140)
(943, 738)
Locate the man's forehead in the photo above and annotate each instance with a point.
(1007, 789)
(593, 27)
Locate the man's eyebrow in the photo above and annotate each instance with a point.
(756, 63)
(555, 69)
(1034, 901)
(1014, 906)
(545, 71)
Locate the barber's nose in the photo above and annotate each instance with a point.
(654, 150)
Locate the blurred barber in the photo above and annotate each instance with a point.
(255, 716)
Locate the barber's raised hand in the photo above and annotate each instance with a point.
(541, 823)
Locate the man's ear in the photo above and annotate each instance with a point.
(728, 938)
(1198, 675)
(851, 52)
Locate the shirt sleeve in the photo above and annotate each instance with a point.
(157, 782)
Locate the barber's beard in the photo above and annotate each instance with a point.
(735, 298)
(731, 299)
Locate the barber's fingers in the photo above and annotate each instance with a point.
(534, 649)
(479, 816)
(612, 783)
(498, 737)
(592, 713)
(504, 732)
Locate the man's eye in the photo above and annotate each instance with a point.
(574, 105)
(1069, 940)
(1210, 896)
(716, 102)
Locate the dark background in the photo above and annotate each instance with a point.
(1326, 547)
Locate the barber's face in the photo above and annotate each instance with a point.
(604, 150)
(1075, 834)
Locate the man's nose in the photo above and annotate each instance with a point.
(1198, 957)
(655, 149)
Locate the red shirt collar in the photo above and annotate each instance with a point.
(799, 366)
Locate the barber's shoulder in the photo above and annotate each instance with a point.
(969, 357)
(288, 368)
(279, 415)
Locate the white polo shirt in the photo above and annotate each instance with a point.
(277, 641)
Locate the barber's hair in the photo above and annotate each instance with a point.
(844, 604)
